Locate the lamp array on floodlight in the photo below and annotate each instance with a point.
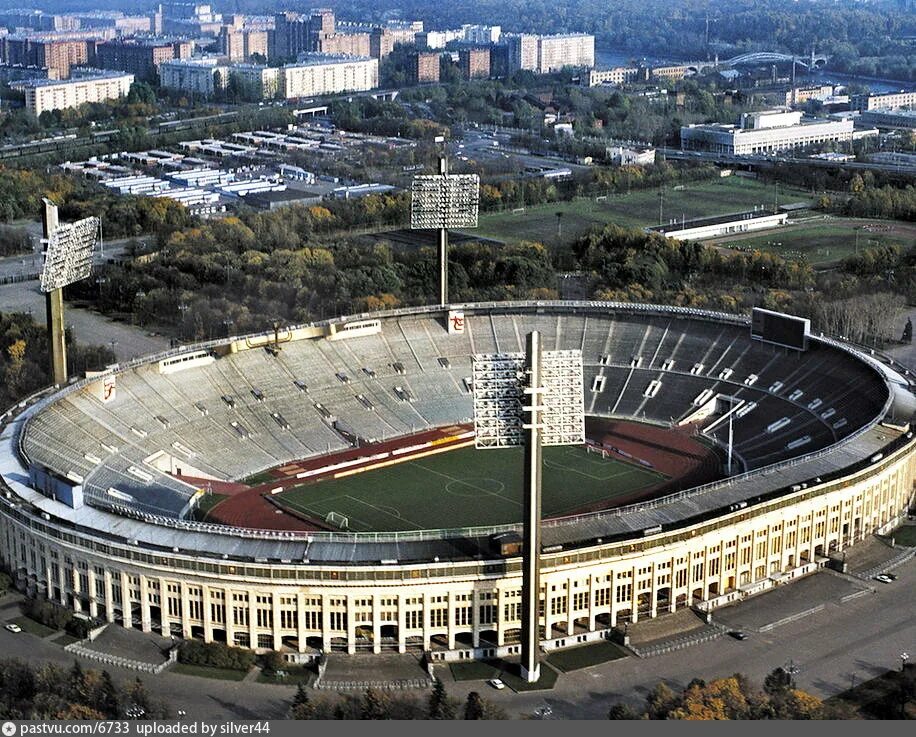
(69, 252)
(499, 383)
(440, 201)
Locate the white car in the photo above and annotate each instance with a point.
(497, 683)
(883, 579)
(14, 628)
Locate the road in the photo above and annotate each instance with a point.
(834, 648)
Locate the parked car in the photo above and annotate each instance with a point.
(738, 634)
(497, 683)
(884, 578)
(891, 576)
(14, 627)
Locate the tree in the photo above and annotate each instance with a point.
(302, 707)
(622, 711)
(473, 708)
(439, 705)
(374, 705)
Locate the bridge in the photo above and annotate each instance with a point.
(754, 58)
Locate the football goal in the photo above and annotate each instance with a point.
(337, 520)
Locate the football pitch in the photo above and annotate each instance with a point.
(467, 487)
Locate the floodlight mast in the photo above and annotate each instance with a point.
(531, 510)
(443, 244)
(54, 303)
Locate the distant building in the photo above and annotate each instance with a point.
(257, 81)
(884, 102)
(241, 44)
(801, 95)
(38, 20)
(348, 44)
(764, 132)
(889, 119)
(718, 225)
(631, 155)
(124, 25)
(669, 73)
(52, 94)
(324, 75)
(55, 54)
(482, 35)
(14, 72)
(202, 76)
(424, 67)
(544, 54)
(140, 57)
(474, 63)
(437, 39)
(383, 39)
(617, 75)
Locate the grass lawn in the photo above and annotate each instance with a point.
(295, 674)
(881, 698)
(508, 673)
(220, 674)
(905, 535)
(634, 210)
(825, 241)
(33, 627)
(585, 656)
(467, 487)
(206, 503)
(476, 670)
(65, 640)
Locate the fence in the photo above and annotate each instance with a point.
(706, 634)
(78, 648)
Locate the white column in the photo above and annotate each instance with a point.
(300, 620)
(376, 624)
(109, 599)
(230, 617)
(126, 612)
(185, 611)
(165, 627)
(208, 614)
(351, 626)
(277, 621)
(93, 603)
(326, 623)
(145, 624)
(252, 619)
(402, 623)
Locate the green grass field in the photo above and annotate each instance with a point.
(586, 656)
(467, 487)
(825, 241)
(201, 671)
(905, 535)
(634, 210)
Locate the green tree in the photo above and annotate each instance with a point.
(440, 707)
(374, 705)
(473, 707)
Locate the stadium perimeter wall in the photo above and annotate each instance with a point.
(456, 610)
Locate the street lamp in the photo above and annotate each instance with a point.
(182, 713)
(904, 656)
(791, 670)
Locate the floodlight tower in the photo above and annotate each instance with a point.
(531, 511)
(442, 201)
(531, 399)
(68, 259)
(54, 306)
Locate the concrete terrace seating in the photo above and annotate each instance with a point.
(244, 412)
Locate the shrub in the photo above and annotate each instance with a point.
(215, 655)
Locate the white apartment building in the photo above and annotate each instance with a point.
(258, 80)
(482, 35)
(571, 49)
(544, 54)
(617, 75)
(763, 132)
(201, 76)
(324, 75)
(53, 94)
(888, 101)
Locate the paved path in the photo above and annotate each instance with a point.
(89, 328)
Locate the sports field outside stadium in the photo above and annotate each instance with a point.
(466, 488)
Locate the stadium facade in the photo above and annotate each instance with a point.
(821, 439)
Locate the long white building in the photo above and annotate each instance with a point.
(53, 94)
(325, 75)
(544, 54)
(202, 76)
(772, 130)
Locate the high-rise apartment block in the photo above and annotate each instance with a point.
(324, 75)
(544, 54)
(424, 67)
(474, 63)
(54, 54)
(139, 57)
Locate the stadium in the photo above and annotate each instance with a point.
(315, 489)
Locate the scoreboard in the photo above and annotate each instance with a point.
(780, 329)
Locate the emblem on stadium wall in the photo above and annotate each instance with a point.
(108, 389)
(455, 322)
